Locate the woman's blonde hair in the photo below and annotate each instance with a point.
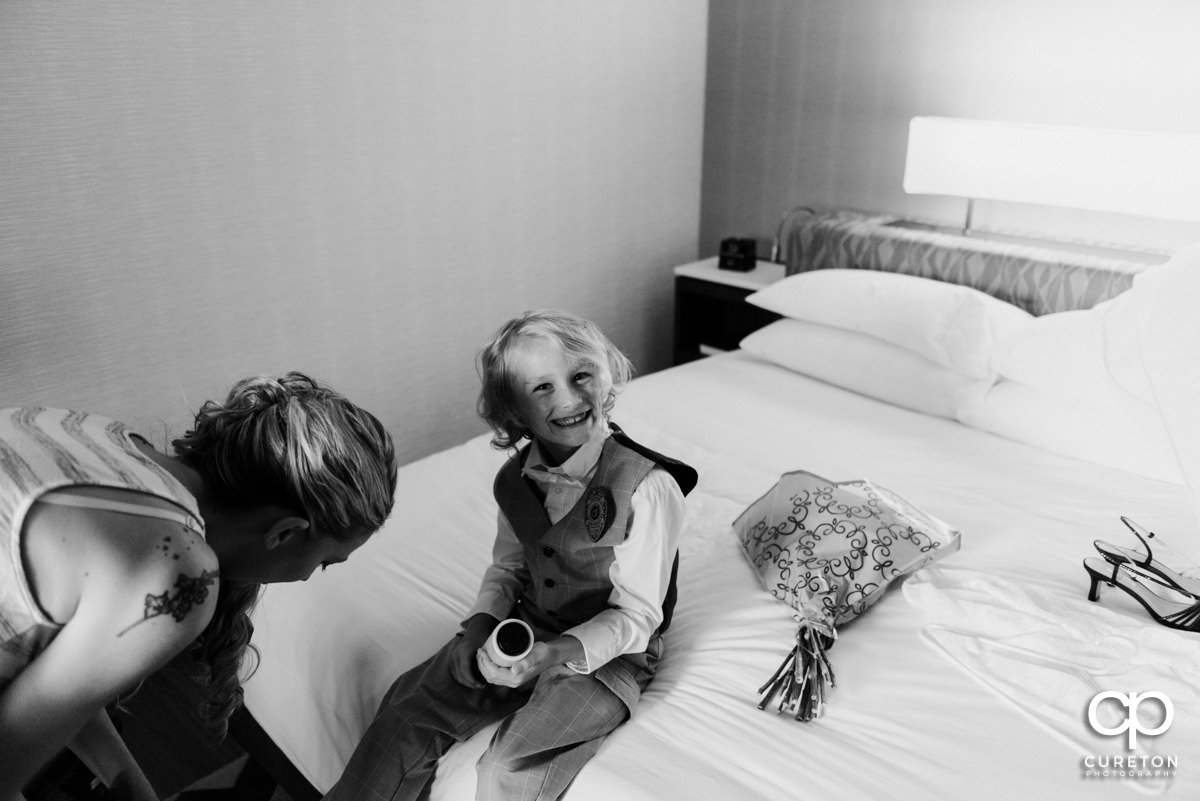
(289, 442)
(577, 337)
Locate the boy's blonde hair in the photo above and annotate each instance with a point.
(576, 336)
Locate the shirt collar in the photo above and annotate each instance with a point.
(577, 469)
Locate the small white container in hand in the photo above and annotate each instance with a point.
(510, 642)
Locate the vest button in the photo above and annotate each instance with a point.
(548, 551)
(549, 582)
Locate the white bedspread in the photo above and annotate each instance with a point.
(972, 681)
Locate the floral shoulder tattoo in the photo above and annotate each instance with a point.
(179, 601)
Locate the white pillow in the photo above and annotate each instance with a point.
(1084, 354)
(950, 325)
(860, 363)
(1166, 302)
(1098, 430)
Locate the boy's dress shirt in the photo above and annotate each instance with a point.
(641, 568)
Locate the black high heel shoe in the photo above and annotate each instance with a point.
(1167, 605)
(1117, 554)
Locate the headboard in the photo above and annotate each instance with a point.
(1038, 279)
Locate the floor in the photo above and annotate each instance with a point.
(160, 727)
(221, 778)
(68, 780)
(232, 782)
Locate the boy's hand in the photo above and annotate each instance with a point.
(462, 662)
(544, 656)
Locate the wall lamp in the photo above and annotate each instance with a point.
(1128, 172)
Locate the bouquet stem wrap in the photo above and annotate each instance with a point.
(801, 680)
(828, 549)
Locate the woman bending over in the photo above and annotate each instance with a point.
(115, 557)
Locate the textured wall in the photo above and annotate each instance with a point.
(808, 101)
(194, 192)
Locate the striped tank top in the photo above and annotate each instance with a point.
(52, 449)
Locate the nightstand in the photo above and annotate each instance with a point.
(711, 312)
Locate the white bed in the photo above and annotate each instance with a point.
(971, 679)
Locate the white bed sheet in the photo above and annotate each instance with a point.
(921, 708)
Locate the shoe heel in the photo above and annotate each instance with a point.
(1177, 610)
(1097, 580)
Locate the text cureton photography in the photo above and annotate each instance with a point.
(1113, 714)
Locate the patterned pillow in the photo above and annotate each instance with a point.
(1040, 280)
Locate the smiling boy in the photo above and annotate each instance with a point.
(585, 552)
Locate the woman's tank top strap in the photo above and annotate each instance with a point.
(69, 497)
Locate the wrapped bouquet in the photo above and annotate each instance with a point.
(829, 549)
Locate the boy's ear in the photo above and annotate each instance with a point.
(284, 530)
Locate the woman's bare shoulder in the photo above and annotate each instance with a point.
(169, 572)
(76, 556)
(131, 592)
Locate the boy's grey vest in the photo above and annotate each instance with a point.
(568, 562)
